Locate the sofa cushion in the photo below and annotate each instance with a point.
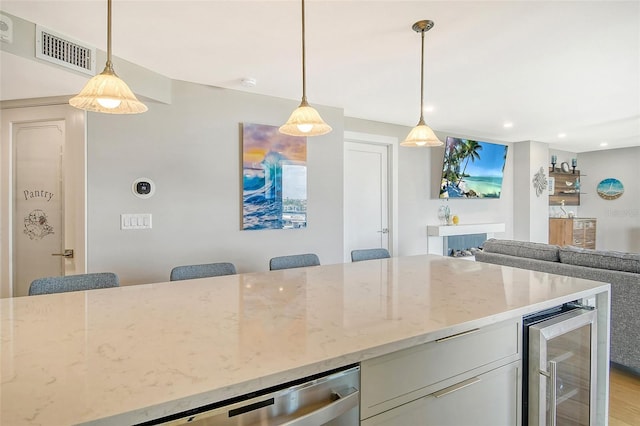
(540, 251)
(611, 260)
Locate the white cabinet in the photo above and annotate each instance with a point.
(489, 399)
(449, 378)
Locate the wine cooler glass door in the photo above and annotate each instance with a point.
(562, 351)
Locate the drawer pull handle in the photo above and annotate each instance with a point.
(454, 336)
(456, 387)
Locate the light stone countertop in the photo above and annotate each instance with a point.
(128, 354)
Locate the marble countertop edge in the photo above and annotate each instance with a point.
(233, 390)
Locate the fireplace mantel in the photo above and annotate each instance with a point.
(437, 233)
(473, 228)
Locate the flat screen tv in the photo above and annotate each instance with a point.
(472, 169)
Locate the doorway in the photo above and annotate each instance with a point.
(370, 192)
(43, 203)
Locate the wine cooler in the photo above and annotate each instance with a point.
(559, 386)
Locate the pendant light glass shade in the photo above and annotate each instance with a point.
(106, 92)
(304, 120)
(422, 135)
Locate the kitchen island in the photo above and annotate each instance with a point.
(129, 354)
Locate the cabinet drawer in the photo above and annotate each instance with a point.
(403, 376)
(489, 399)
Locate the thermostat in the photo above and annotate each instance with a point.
(143, 188)
(6, 29)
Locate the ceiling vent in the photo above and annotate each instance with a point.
(63, 51)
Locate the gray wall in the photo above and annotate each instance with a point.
(618, 226)
(191, 150)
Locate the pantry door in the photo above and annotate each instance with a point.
(43, 202)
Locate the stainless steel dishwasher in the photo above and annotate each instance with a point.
(331, 399)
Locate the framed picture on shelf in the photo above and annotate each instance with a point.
(551, 185)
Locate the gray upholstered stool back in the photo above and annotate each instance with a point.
(188, 272)
(294, 261)
(73, 283)
(368, 254)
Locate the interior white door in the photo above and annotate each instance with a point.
(38, 202)
(43, 195)
(366, 196)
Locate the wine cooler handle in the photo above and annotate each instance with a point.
(553, 369)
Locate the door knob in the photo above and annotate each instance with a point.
(68, 254)
(384, 231)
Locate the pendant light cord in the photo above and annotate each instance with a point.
(304, 74)
(421, 122)
(106, 92)
(109, 65)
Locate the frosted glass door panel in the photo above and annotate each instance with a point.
(38, 202)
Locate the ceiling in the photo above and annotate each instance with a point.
(547, 67)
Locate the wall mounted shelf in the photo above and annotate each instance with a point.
(566, 187)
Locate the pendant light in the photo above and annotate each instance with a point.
(106, 92)
(422, 135)
(304, 120)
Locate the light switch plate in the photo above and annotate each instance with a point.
(135, 221)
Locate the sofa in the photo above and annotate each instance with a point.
(621, 270)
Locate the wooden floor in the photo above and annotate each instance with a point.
(624, 398)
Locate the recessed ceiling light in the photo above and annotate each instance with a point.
(507, 125)
(604, 143)
(562, 135)
(429, 108)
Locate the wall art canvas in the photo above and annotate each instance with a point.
(539, 181)
(274, 179)
(472, 169)
(610, 189)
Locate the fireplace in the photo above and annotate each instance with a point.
(463, 245)
(442, 239)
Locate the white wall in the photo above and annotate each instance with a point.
(618, 221)
(419, 177)
(191, 149)
(530, 210)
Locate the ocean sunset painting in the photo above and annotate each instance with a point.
(472, 169)
(274, 179)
